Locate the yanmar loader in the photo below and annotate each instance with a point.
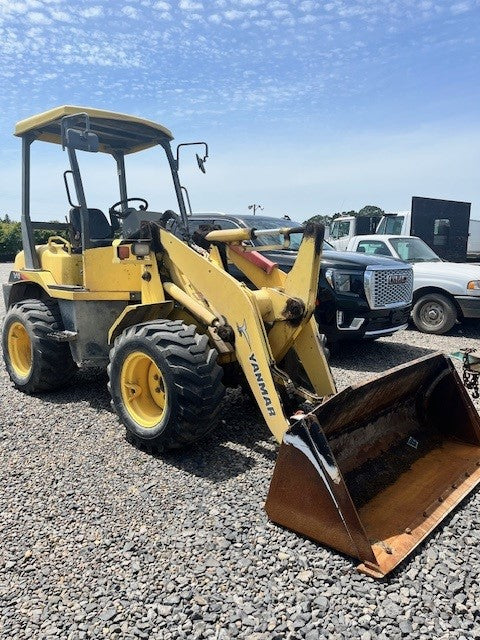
(369, 471)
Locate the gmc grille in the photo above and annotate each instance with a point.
(386, 288)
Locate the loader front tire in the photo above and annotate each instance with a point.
(165, 383)
(34, 361)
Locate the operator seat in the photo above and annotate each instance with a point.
(101, 231)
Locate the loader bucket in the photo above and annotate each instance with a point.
(374, 469)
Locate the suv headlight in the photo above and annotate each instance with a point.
(338, 280)
(473, 284)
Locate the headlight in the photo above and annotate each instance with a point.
(141, 249)
(338, 281)
(473, 284)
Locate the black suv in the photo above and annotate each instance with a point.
(358, 296)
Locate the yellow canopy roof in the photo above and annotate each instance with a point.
(115, 131)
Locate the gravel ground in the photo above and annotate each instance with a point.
(100, 540)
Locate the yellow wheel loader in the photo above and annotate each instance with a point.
(369, 471)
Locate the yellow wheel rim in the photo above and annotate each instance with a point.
(143, 389)
(19, 349)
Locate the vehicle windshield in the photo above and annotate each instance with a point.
(276, 238)
(391, 225)
(413, 250)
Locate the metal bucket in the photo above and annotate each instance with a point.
(376, 468)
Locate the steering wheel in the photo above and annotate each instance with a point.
(123, 214)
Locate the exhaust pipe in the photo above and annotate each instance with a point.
(373, 470)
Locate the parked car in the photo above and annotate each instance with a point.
(358, 296)
(443, 292)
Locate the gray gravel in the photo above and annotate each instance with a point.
(102, 541)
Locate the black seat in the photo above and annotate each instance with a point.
(101, 231)
(381, 251)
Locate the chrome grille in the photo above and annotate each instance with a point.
(388, 287)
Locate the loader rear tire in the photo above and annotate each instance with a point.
(33, 360)
(165, 383)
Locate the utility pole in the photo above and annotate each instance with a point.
(255, 207)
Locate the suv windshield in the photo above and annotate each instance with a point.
(413, 250)
(275, 238)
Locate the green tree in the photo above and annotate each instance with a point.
(371, 210)
(324, 218)
(10, 240)
(41, 236)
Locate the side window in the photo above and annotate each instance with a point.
(343, 229)
(397, 227)
(373, 248)
(391, 225)
(441, 232)
(226, 224)
(340, 229)
(195, 224)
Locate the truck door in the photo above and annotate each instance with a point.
(443, 225)
(340, 233)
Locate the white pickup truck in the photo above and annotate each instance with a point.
(449, 232)
(443, 292)
(401, 223)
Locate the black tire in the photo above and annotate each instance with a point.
(191, 382)
(434, 313)
(51, 362)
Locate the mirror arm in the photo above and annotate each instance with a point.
(190, 144)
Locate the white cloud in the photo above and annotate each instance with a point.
(92, 12)
(233, 14)
(60, 16)
(161, 6)
(265, 24)
(38, 18)
(276, 5)
(190, 5)
(306, 6)
(460, 7)
(281, 13)
(130, 11)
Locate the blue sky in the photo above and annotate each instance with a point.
(309, 106)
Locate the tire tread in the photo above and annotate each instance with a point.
(53, 365)
(197, 381)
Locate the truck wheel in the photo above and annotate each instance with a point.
(434, 313)
(165, 383)
(33, 360)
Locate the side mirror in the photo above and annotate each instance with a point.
(201, 163)
(81, 140)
